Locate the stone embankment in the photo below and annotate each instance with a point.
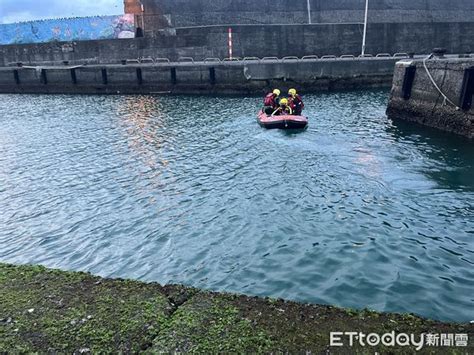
(50, 311)
(436, 92)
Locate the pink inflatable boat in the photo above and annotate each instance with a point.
(282, 121)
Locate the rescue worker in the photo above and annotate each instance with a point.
(283, 109)
(295, 102)
(271, 102)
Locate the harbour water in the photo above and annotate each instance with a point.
(355, 211)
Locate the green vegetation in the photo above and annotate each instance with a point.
(209, 323)
(44, 310)
(52, 310)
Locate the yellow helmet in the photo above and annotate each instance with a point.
(292, 92)
(277, 92)
(284, 101)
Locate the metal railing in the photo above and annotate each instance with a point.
(401, 55)
(190, 60)
(270, 58)
(310, 57)
(186, 60)
(212, 60)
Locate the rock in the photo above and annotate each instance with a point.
(31, 310)
(6, 320)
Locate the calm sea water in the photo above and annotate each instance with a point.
(356, 211)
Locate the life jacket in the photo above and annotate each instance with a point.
(287, 110)
(270, 100)
(296, 102)
(283, 110)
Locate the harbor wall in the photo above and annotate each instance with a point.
(253, 40)
(415, 98)
(183, 13)
(200, 77)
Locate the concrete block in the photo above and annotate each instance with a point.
(89, 76)
(426, 104)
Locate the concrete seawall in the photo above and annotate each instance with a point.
(51, 311)
(443, 101)
(254, 41)
(179, 13)
(250, 76)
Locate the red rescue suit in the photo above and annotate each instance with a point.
(270, 101)
(296, 104)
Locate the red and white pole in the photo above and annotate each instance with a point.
(230, 43)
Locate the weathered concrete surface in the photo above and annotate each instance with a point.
(227, 77)
(49, 311)
(181, 13)
(426, 105)
(254, 40)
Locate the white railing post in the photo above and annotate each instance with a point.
(365, 26)
(230, 43)
(309, 11)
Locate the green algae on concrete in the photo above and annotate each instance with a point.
(44, 310)
(210, 323)
(49, 310)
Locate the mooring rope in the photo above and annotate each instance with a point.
(445, 98)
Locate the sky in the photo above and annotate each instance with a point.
(26, 10)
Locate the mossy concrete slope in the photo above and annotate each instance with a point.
(44, 310)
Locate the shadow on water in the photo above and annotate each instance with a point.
(453, 154)
(293, 132)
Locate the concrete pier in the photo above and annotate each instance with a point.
(221, 77)
(436, 92)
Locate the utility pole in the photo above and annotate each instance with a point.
(308, 3)
(365, 26)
